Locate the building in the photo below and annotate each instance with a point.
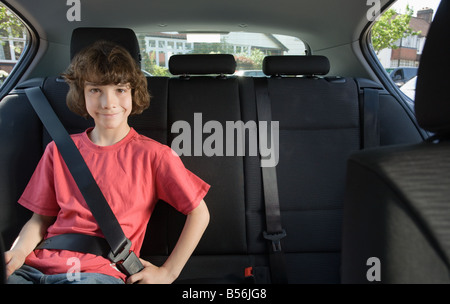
(12, 42)
(160, 46)
(409, 48)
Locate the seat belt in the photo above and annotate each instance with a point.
(274, 230)
(371, 126)
(369, 109)
(120, 253)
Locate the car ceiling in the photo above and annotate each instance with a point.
(322, 24)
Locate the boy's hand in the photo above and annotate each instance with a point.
(151, 274)
(195, 225)
(13, 260)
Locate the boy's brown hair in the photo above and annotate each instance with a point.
(105, 63)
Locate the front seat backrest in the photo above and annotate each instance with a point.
(397, 208)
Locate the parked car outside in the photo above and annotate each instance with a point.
(401, 75)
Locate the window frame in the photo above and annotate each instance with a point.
(25, 59)
(365, 44)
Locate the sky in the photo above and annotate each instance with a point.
(400, 5)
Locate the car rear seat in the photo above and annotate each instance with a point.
(221, 255)
(319, 127)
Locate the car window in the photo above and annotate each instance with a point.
(13, 41)
(249, 49)
(398, 37)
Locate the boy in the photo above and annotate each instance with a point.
(132, 171)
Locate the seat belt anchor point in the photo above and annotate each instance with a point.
(275, 238)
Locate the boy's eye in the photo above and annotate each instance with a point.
(94, 90)
(122, 89)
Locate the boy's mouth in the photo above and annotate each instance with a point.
(109, 114)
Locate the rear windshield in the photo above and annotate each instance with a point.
(249, 49)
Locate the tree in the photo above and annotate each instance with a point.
(243, 62)
(258, 57)
(149, 65)
(9, 24)
(254, 62)
(390, 28)
(10, 27)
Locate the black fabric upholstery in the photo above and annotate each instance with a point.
(397, 211)
(319, 129)
(20, 151)
(216, 99)
(84, 36)
(432, 103)
(202, 64)
(153, 121)
(227, 204)
(55, 89)
(296, 65)
(397, 201)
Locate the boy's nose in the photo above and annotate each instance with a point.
(108, 100)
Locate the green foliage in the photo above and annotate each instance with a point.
(254, 62)
(9, 24)
(156, 70)
(243, 62)
(149, 64)
(390, 28)
(10, 27)
(257, 57)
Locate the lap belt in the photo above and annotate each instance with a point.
(77, 242)
(119, 245)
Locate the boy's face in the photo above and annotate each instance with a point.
(109, 105)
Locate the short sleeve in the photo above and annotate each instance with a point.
(178, 186)
(39, 195)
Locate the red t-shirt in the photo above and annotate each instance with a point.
(132, 174)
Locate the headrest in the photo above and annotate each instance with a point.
(432, 102)
(296, 65)
(82, 37)
(201, 64)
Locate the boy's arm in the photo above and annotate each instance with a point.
(196, 223)
(29, 237)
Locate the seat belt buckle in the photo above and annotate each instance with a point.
(130, 265)
(126, 260)
(275, 238)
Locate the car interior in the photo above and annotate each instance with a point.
(360, 172)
